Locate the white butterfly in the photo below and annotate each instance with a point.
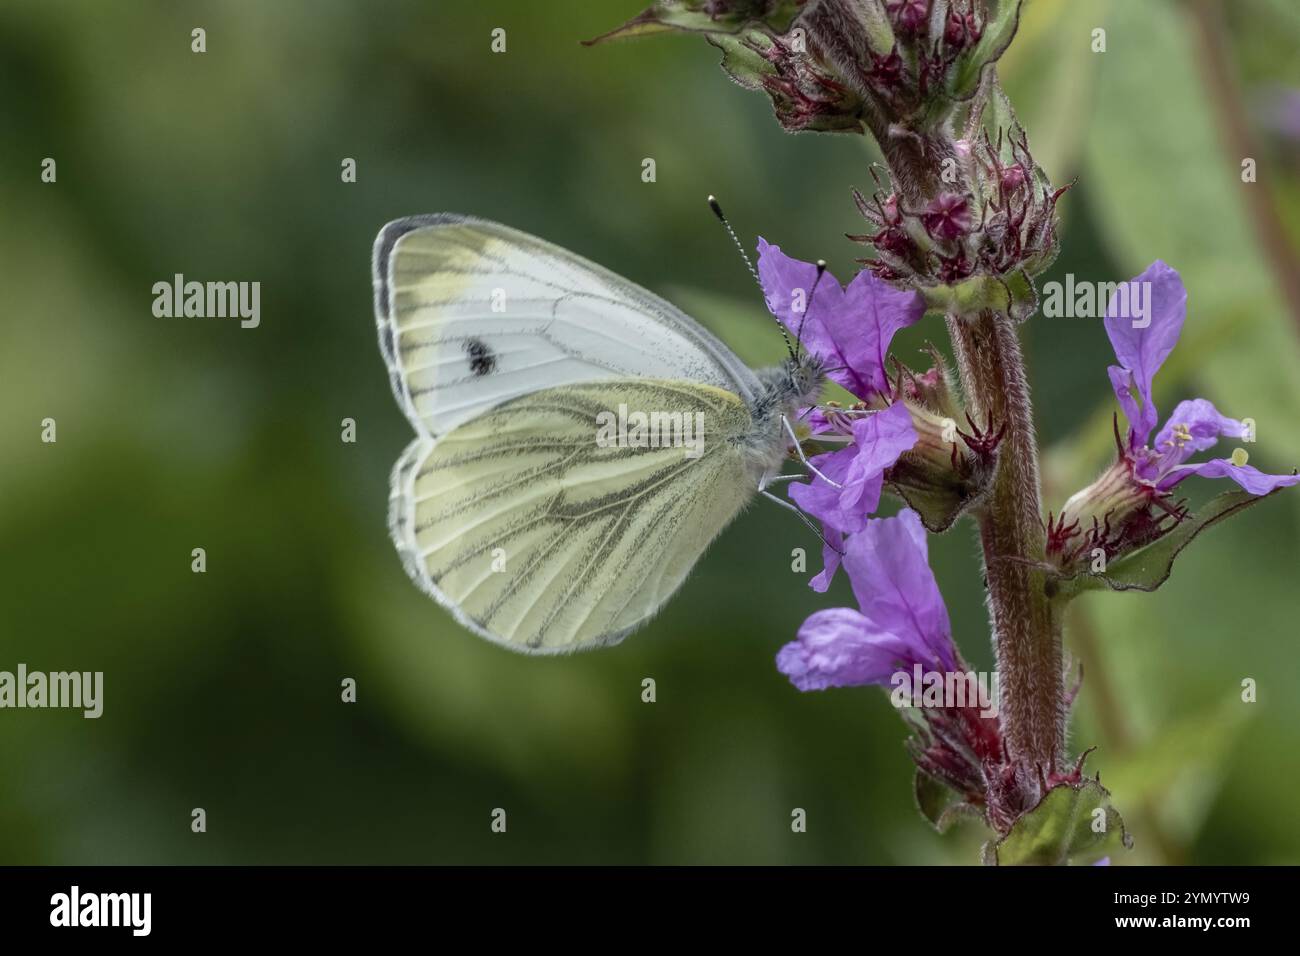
(504, 351)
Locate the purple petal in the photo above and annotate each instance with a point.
(1194, 426)
(1121, 380)
(879, 438)
(1249, 477)
(1143, 321)
(830, 560)
(817, 422)
(837, 647)
(822, 500)
(903, 621)
(849, 330)
(859, 469)
(889, 569)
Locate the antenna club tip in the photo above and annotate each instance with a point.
(821, 265)
(717, 209)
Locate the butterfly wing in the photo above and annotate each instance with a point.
(502, 349)
(472, 313)
(539, 538)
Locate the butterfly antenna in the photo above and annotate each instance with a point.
(812, 297)
(722, 218)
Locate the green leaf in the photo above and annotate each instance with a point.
(1072, 824)
(742, 62)
(693, 16)
(999, 118)
(1147, 569)
(939, 509)
(876, 26)
(939, 804)
(969, 68)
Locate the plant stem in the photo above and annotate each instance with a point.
(1026, 625)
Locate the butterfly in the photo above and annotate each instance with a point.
(512, 358)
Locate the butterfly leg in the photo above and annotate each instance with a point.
(803, 458)
(802, 517)
(771, 479)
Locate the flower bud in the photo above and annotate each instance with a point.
(933, 389)
(947, 217)
(1114, 516)
(909, 17)
(1013, 177)
(949, 470)
(767, 47)
(960, 31)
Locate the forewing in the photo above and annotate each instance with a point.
(472, 314)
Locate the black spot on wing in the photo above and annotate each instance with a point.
(482, 359)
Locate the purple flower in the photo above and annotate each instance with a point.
(878, 440)
(901, 619)
(859, 469)
(901, 626)
(1143, 321)
(849, 329)
(947, 217)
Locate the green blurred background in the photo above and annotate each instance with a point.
(222, 690)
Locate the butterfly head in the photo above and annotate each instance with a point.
(805, 374)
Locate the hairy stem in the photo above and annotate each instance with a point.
(1026, 625)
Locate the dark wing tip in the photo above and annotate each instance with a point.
(386, 241)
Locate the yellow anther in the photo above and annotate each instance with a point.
(1239, 457)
